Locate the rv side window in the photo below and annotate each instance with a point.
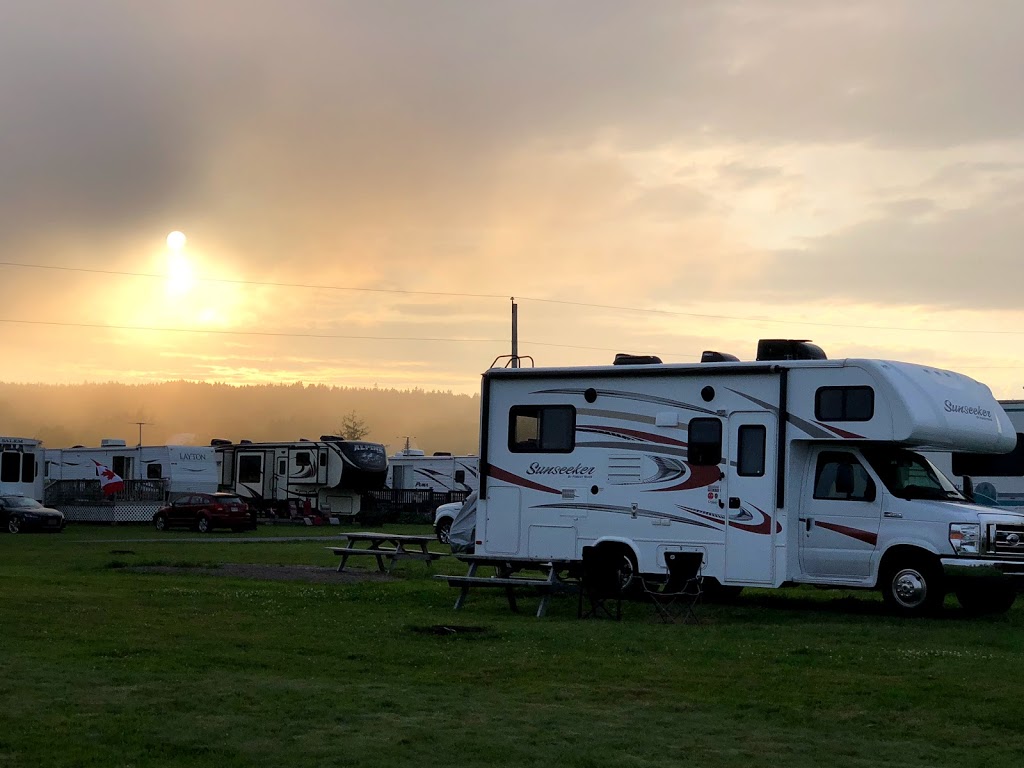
(10, 467)
(541, 428)
(460, 475)
(844, 404)
(302, 459)
(323, 458)
(249, 469)
(28, 467)
(991, 464)
(750, 450)
(282, 467)
(841, 477)
(154, 471)
(705, 442)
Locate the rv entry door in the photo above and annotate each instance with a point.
(750, 501)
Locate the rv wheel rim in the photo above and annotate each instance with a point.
(909, 588)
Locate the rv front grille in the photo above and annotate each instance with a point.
(1006, 540)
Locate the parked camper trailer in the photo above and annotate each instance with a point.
(412, 469)
(161, 471)
(324, 477)
(784, 470)
(995, 479)
(21, 467)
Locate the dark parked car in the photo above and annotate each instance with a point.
(206, 511)
(19, 513)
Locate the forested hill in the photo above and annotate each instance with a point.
(194, 413)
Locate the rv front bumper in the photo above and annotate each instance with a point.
(960, 569)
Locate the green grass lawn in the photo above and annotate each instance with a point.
(101, 665)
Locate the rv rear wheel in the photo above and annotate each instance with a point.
(913, 587)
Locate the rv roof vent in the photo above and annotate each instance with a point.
(623, 359)
(112, 442)
(219, 441)
(332, 438)
(442, 453)
(245, 442)
(78, 446)
(788, 349)
(710, 356)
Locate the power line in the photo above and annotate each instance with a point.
(281, 334)
(564, 302)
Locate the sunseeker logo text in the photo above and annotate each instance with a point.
(577, 470)
(968, 410)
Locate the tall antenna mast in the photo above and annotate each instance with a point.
(515, 333)
(141, 425)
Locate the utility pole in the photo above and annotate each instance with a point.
(515, 333)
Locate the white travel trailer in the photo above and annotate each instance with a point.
(996, 479)
(324, 477)
(20, 467)
(789, 469)
(169, 469)
(411, 469)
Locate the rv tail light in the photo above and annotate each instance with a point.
(964, 538)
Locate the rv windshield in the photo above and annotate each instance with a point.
(910, 475)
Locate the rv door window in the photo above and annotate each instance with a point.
(282, 467)
(250, 468)
(991, 464)
(28, 467)
(750, 450)
(844, 403)
(841, 477)
(542, 429)
(10, 467)
(302, 459)
(154, 471)
(705, 442)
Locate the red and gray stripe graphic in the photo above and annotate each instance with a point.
(854, 533)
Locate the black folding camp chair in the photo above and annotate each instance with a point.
(675, 595)
(600, 587)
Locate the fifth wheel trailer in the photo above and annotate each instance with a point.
(790, 469)
(21, 460)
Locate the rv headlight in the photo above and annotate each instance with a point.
(965, 537)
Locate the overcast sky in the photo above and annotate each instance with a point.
(656, 177)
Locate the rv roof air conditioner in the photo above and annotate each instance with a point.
(219, 441)
(623, 359)
(710, 356)
(788, 349)
(245, 442)
(332, 438)
(112, 442)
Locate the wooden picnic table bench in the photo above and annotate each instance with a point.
(504, 577)
(393, 546)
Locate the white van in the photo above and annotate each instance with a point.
(789, 469)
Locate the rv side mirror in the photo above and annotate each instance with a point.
(968, 488)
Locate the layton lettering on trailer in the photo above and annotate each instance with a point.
(790, 469)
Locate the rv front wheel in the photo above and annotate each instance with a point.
(913, 587)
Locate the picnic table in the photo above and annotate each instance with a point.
(505, 577)
(393, 546)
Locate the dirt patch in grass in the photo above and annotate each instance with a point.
(310, 573)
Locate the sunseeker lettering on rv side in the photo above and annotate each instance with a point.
(968, 410)
(536, 468)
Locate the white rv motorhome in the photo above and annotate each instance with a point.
(412, 469)
(788, 469)
(170, 469)
(20, 465)
(324, 477)
(996, 479)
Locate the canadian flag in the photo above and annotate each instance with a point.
(110, 483)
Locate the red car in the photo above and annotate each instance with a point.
(206, 511)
